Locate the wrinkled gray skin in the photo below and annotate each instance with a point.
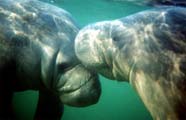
(146, 49)
(37, 53)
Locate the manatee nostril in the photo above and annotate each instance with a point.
(115, 39)
(63, 66)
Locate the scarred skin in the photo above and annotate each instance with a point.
(37, 53)
(146, 49)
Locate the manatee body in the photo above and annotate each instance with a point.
(37, 53)
(147, 49)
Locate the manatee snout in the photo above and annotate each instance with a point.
(97, 46)
(79, 87)
(90, 44)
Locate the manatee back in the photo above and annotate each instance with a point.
(157, 34)
(31, 30)
(28, 23)
(158, 37)
(156, 31)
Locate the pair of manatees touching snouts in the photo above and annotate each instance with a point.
(43, 49)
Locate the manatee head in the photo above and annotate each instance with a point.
(99, 46)
(113, 48)
(76, 85)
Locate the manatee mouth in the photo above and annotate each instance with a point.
(87, 93)
(69, 88)
(79, 87)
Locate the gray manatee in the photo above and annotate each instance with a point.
(146, 49)
(37, 53)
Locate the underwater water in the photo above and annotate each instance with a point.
(118, 101)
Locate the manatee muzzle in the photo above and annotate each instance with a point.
(81, 87)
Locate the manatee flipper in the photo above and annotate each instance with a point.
(49, 106)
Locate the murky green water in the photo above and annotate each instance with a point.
(118, 100)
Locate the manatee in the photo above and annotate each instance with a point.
(37, 53)
(146, 49)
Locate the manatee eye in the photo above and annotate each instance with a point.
(115, 38)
